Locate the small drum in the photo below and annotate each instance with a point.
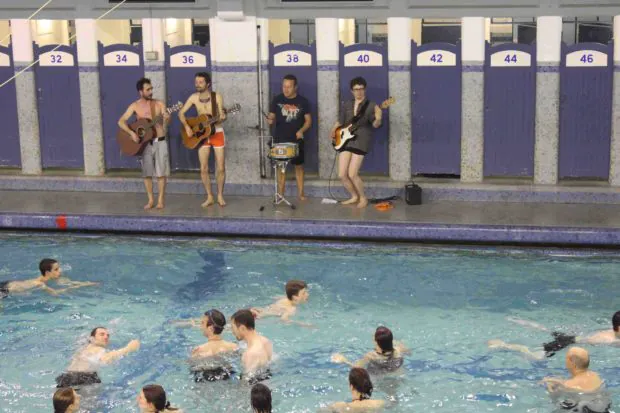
(284, 151)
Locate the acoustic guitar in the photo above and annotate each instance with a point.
(145, 130)
(345, 133)
(202, 127)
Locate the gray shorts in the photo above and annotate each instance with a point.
(154, 160)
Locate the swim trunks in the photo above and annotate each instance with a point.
(4, 289)
(77, 378)
(386, 365)
(214, 374)
(560, 341)
(257, 377)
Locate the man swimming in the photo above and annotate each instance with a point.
(257, 357)
(286, 307)
(50, 270)
(582, 392)
(210, 353)
(606, 337)
(86, 362)
(387, 356)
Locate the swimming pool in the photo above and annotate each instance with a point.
(444, 303)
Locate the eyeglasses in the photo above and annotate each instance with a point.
(358, 89)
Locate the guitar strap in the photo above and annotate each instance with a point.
(214, 111)
(152, 105)
(360, 112)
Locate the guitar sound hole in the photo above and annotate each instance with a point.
(140, 133)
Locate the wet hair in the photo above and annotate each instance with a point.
(244, 318)
(261, 398)
(360, 380)
(615, 321)
(582, 363)
(293, 287)
(46, 265)
(358, 81)
(205, 76)
(215, 319)
(93, 332)
(290, 77)
(143, 81)
(155, 394)
(63, 398)
(385, 339)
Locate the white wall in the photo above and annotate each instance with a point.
(178, 32)
(46, 32)
(113, 31)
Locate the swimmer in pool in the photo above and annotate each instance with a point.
(66, 400)
(286, 307)
(582, 378)
(257, 357)
(50, 270)
(152, 399)
(86, 362)
(609, 337)
(213, 323)
(260, 398)
(361, 390)
(386, 357)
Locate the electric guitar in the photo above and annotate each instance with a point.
(345, 133)
(145, 130)
(202, 127)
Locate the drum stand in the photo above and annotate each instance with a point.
(278, 197)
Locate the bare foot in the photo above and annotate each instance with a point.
(208, 202)
(363, 202)
(220, 201)
(148, 206)
(160, 205)
(350, 201)
(302, 197)
(496, 344)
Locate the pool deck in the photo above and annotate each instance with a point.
(520, 221)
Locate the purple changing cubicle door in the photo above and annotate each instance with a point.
(300, 61)
(436, 108)
(58, 98)
(120, 67)
(9, 138)
(509, 110)
(586, 85)
(182, 64)
(370, 62)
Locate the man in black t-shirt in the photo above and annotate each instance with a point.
(290, 113)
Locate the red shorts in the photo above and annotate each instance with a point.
(217, 141)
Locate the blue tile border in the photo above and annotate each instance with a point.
(88, 69)
(473, 68)
(327, 68)
(548, 69)
(300, 228)
(234, 69)
(399, 68)
(617, 67)
(19, 68)
(154, 68)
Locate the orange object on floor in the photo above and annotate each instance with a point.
(384, 206)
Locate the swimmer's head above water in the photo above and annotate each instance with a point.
(297, 291)
(99, 336)
(152, 398)
(261, 399)
(360, 384)
(50, 269)
(577, 360)
(213, 323)
(66, 400)
(242, 324)
(384, 340)
(615, 322)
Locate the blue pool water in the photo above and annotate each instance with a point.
(444, 303)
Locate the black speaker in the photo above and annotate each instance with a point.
(413, 194)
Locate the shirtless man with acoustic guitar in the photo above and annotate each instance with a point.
(202, 100)
(154, 159)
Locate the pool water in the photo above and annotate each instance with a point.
(443, 303)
